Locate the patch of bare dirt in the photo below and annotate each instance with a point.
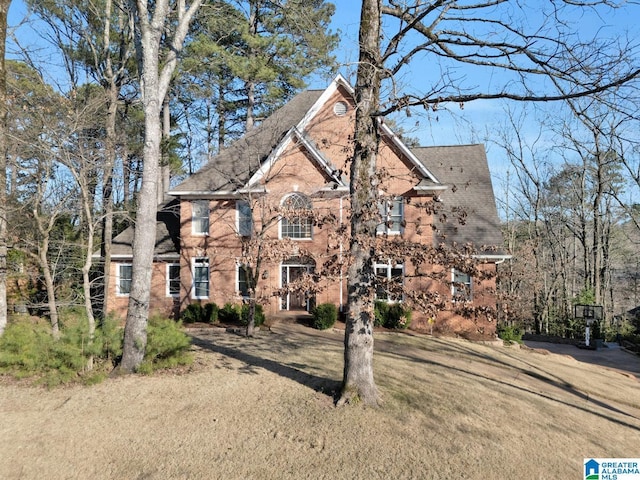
(262, 408)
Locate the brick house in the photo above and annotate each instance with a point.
(297, 160)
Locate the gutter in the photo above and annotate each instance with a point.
(497, 259)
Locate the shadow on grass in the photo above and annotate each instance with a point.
(253, 363)
(562, 385)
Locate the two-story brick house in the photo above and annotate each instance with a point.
(280, 194)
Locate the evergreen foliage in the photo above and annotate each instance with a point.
(167, 346)
(195, 312)
(324, 316)
(249, 58)
(229, 313)
(510, 334)
(259, 316)
(28, 349)
(392, 315)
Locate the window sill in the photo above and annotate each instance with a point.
(297, 239)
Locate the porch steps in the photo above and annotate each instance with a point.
(290, 317)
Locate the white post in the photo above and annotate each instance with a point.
(586, 335)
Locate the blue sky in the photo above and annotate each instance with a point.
(479, 122)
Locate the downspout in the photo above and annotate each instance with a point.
(341, 251)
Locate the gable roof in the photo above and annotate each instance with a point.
(465, 171)
(240, 166)
(234, 166)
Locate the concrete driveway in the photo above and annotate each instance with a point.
(611, 356)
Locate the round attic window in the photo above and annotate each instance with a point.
(340, 109)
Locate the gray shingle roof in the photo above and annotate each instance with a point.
(167, 234)
(464, 169)
(233, 167)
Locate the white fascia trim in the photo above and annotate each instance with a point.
(316, 155)
(404, 149)
(328, 92)
(129, 257)
(271, 160)
(339, 188)
(493, 258)
(221, 194)
(284, 143)
(431, 188)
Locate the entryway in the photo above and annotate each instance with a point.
(291, 272)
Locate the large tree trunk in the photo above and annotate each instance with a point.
(358, 382)
(4, 7)
(135, 339)
(165, 167)
(154, 83)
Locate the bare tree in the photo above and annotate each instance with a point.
(536, 62)
(155, 23)
(4, 7)
(358, 381)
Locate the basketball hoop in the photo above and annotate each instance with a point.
(589, 313)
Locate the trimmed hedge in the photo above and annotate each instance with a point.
(195, 312)
(324, 316)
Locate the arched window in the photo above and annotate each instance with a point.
(296, 221)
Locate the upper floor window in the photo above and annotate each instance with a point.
(123, 282)
(296, 221)
(389, 281)
(173, 280)
(244, 218)
(392, 216)
(200, 217)
(200, 277)
(461, 287)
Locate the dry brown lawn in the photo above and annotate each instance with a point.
(263, 409)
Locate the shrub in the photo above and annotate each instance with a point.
(207, 313)
(399, 317)
(167, 345)
(211, 312)
(28, 349)
(324, 316)
(258, 316)
(510, 334)
(392, 315)
(109, 340)
(24, 348)
(381, 312)
(229, 313)
(193, 313)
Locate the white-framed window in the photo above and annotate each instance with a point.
(392, 216)
(200, 269)
(244, 218)
(173, 280)
(389, 281)
(461, 286)
(242, 284)
(200, 217)
(123, 280)
(296, 226)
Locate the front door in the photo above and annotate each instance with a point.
(295, 299)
